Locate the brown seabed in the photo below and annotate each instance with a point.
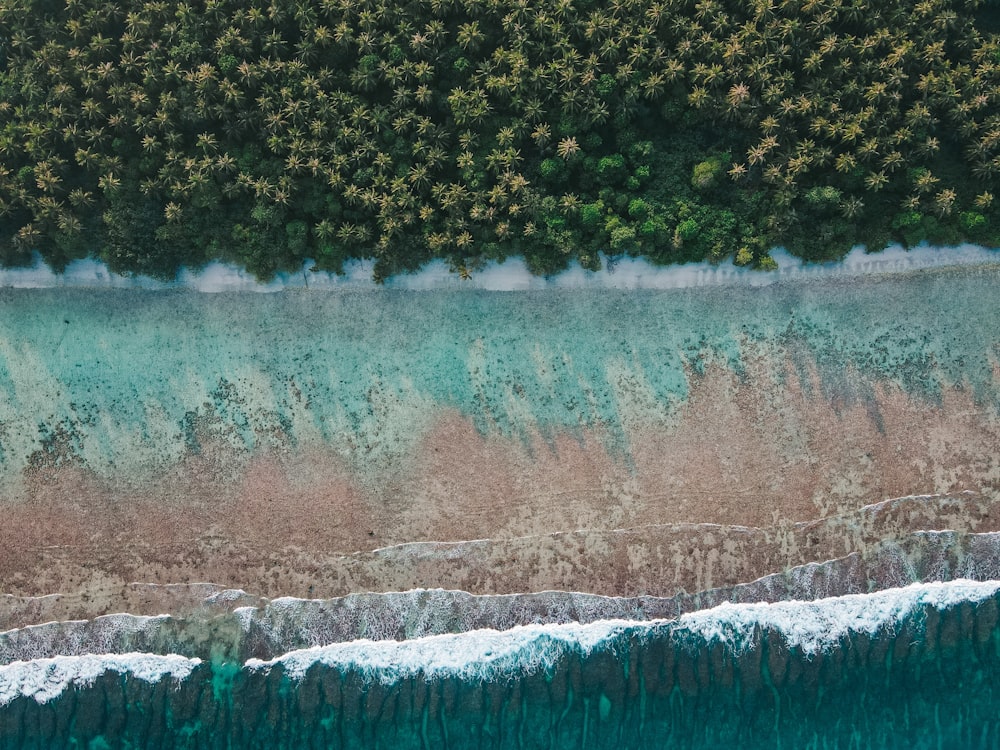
(755, 451)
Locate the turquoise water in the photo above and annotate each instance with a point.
(926, 678)
(130, 381)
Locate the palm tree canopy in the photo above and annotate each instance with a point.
(156, 133)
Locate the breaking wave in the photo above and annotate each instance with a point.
(909, 668)
(43, 680)
(490, 655)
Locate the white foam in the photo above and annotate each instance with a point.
(474, 655)
(512, 275)
(45, 679)
(497, 655)
(492, 655)
(813, 625)
(226, 595)
(119, 622)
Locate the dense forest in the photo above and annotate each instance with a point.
(159, 133)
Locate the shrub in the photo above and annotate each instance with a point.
(622, 238)
(823, 200)
(910, 225)
(972, 221)
(705, 174)
(552, 170)
(297, 233)
(688, 229)
(654, 231)
(591, 214)
(227, 63)
(639, 209)
(907, 219)
(611, 169)
(606, 85)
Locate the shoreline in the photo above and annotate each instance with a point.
(512, 275)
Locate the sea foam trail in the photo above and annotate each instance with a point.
(481, 655)
(813, 626)
(512, 275)
(235, 626)
(488, 655)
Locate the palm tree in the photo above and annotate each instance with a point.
(568, 148)
(892, 161)
(875, 181)
(27, 237)
(470, 36)
(80, 198)
(852, 207)
(925, 181)
(983, 200)
(944, 201)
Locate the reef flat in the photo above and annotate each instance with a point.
(287, 444)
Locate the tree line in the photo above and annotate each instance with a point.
(159, 133)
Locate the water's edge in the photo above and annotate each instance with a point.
(513, 274)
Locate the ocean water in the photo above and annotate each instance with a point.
(904, 668)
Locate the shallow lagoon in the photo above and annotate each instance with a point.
(122, 376)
